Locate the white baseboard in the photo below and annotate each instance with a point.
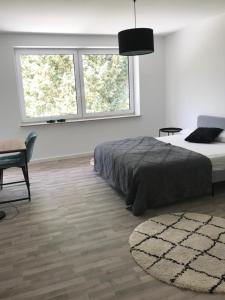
(78, 155)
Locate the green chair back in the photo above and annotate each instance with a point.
(30, 140)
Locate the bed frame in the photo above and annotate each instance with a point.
(211, 121)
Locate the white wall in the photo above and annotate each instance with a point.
(59, 140)
(195, 73)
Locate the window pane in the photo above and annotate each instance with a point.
(106, 83)
(49, 85)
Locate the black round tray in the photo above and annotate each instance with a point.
(170, 129)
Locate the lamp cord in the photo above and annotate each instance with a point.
(135, 18)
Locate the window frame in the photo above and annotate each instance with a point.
(79, 83)
(130, 82)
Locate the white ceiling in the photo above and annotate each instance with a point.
(103, 16)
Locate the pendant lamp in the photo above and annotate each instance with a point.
(136, 41)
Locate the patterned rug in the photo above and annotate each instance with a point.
(183, 249)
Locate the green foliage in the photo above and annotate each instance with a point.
(106, 83)
(49, 85)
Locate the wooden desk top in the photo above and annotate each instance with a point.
(14, 145)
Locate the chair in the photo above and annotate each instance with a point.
(19, 160)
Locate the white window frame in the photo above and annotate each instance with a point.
(79, 84)
(130, 79)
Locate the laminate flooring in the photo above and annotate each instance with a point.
(71, 240)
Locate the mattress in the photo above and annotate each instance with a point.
(214, 151)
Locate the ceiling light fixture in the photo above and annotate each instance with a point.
(136, 41)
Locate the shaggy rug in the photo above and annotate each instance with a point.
(183, 249)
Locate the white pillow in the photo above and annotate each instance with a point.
(221, 137)
(187, 131)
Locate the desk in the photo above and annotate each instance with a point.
(12, 146)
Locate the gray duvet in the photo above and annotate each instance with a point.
(151, 173)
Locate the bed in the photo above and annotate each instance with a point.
(151, 172)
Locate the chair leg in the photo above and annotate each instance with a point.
(26, 178)
(1, 179)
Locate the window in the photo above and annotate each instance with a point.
(74, 84)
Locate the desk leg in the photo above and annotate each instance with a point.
(2, 213)
(26, 175)
(1, 179)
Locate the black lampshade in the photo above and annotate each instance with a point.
(136, 41)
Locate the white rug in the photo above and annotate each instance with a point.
(183, 249)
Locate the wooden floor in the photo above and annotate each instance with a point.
(71, 241)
